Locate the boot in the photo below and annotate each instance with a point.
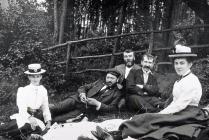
(102, 134)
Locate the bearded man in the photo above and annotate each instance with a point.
(92, 99)
(125, 69)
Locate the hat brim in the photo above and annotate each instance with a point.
(182, 55)
(31, 73)
(113, 72)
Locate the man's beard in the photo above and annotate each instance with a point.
(131, 63)
(110, 84)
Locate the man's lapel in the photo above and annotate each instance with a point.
(94, 90)
(142, 77)
(107, 92)
(123, 70)
(150, 79)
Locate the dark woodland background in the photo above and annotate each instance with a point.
(28, 28)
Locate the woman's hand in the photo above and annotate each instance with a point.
(48, 124)
(33, 122)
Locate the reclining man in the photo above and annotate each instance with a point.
(92, 99)
(124, 69)
(141, 87)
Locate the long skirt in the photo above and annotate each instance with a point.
(186, 123)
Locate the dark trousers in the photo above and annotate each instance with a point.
(204, 134)
(63, 107)
(142, 104)
(70, 108)
(11, 129)
(66, 109)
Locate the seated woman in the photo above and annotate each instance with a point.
(30, 99)
(182, 118)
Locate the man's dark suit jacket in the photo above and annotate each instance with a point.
(109, 99)
(122, 68)
(136, 77)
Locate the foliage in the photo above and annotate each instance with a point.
(201, 69)
(26, 30)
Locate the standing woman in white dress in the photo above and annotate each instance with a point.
(31, 99)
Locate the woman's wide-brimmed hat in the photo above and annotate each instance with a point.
(34, 69)
(182, 51)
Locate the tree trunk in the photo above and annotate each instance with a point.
(167, 20)
(201, 8)
(70, 20)
(55, 36)
(173, 12)
(119, 31)
(151, 40)
(62, 21)
(111, 26)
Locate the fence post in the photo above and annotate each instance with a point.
(68, 58)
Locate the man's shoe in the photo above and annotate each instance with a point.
(102, 134)
(171, 137)
(94, 133)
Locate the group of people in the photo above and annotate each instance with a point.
(129, 86)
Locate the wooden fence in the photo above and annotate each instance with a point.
(68, 45)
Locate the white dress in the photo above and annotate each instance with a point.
(34, 97)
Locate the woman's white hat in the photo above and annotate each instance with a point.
(34, 69)
(182, 51)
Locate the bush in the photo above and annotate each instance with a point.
(201, 69)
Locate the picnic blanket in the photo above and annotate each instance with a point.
(73, 131)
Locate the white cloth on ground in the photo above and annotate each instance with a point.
(73, 131)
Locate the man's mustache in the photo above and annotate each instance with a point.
(129, 61)
(148, 67)
(108, 83)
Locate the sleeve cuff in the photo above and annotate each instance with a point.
(99, 106)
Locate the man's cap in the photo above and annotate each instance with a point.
(182, 51)
(114, 72)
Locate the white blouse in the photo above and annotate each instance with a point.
(34, 97)
(187, 91)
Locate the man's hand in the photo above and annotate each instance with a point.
(93, 101)
(121, 103)
(140, 86)
(83, 97)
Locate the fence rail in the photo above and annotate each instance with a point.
(69, 44)
(128, 34)
(120, 53)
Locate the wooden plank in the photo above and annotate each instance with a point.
(68, 58)
(128, 34)
(142, 51)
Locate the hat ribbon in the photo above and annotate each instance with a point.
(34, 70)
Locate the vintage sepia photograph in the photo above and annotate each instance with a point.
(104, 69)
